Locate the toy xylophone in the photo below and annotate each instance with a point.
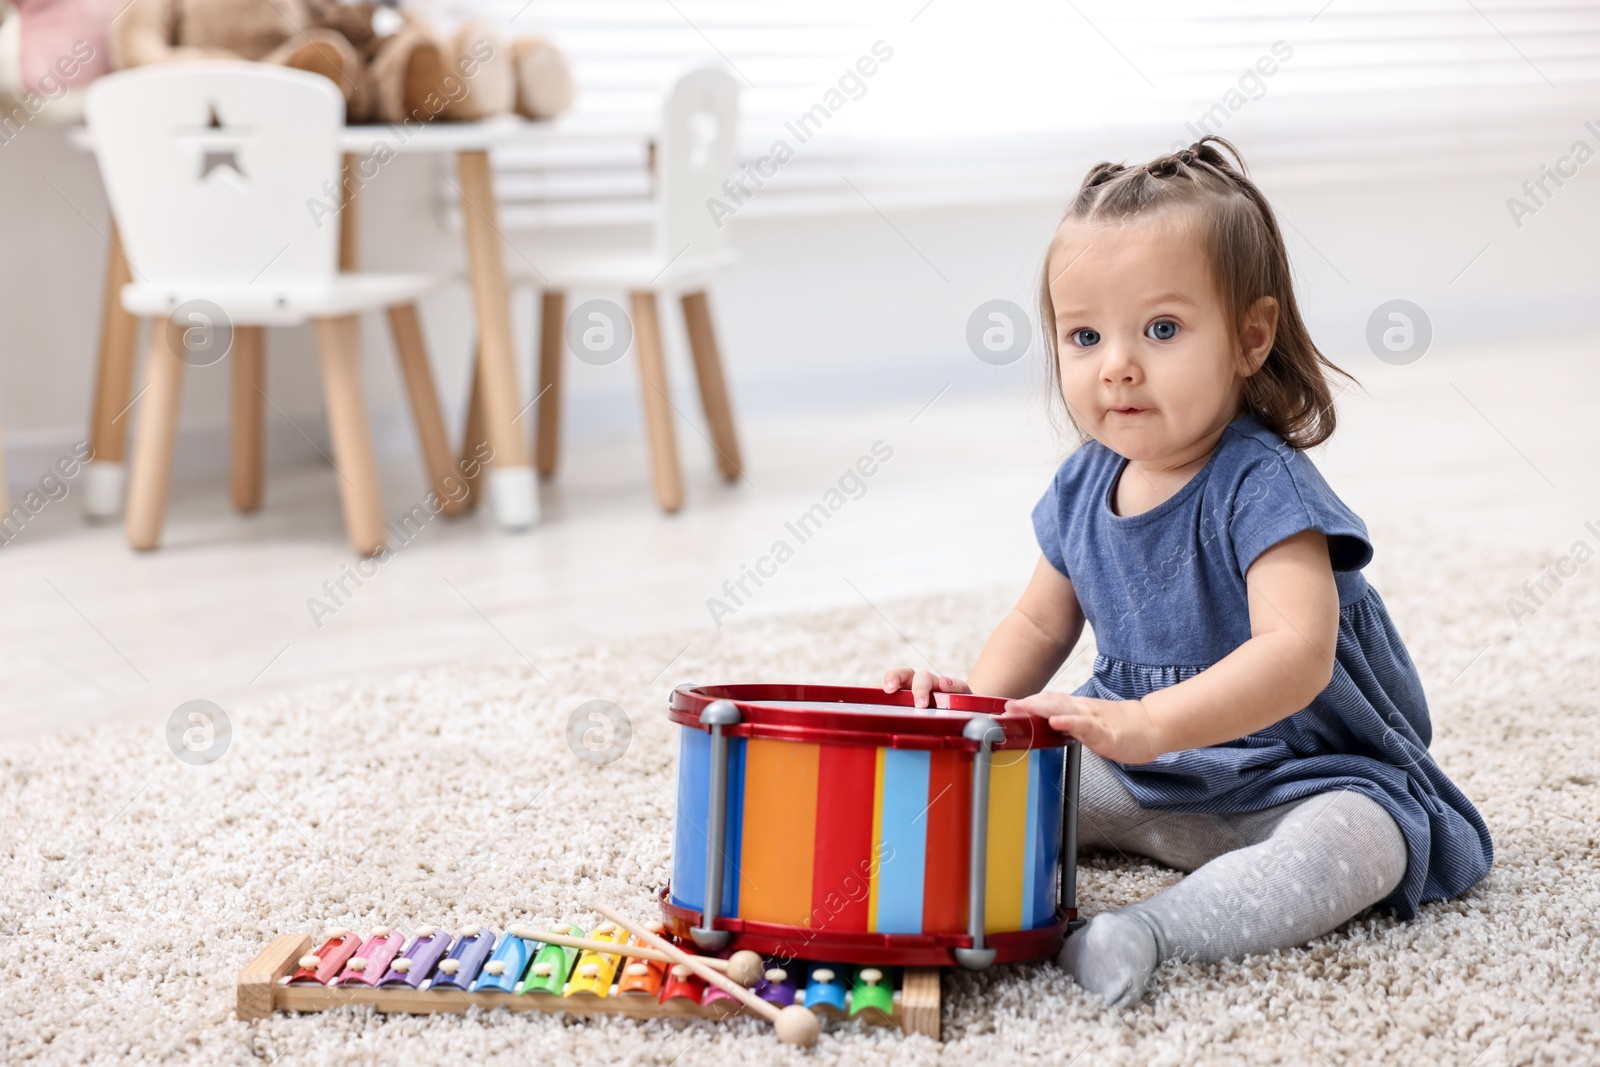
(605, 972)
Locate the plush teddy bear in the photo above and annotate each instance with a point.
(390, 67)
(541, 81)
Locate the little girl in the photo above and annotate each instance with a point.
(1253, 718)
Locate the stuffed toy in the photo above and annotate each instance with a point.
(391, 67)
(541, 82)
(48, 49)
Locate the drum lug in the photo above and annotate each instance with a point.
(1067, 879)
(710, 940)
(974, 959)
(717, 714)
(986, 732)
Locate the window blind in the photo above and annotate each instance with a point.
(1010, 100)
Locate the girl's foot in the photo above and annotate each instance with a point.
(1113, 957)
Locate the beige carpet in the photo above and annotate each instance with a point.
(136, 886)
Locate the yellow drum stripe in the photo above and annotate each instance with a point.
(877, 843)
(1008, 836)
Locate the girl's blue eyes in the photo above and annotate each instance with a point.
(1160, 330)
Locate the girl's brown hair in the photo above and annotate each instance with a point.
(1289, 394)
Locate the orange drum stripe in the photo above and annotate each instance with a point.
(780, 830)
(843, 869)
(944, 897)
(1008, 836)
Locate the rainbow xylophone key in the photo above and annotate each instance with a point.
(416, 963)
(642, 976)
(552, 965)
(465, 959)
(777, 985)
(371, 963)
(507, 962)
(323, 966)
(872, 989)
(595, 970)
(825, 989)
(682, 984)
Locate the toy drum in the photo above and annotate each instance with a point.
(843, 824)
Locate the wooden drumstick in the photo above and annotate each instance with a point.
(795, 1024)
(608, 947)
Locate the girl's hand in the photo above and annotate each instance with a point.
(1119, 730)
(921, 683)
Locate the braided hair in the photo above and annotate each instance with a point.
(1289, 394)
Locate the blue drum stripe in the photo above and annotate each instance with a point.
(689, 841)
(689, 837)
(1030, 842)
(735, 828)
(905, 832)
(1042, 907)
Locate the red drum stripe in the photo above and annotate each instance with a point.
(944, 896)
(843, 868)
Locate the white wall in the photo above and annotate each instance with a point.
(822, 311)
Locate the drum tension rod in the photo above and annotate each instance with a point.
(987, 733)
(718, 713)
(1069, 835)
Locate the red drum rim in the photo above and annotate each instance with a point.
(775, 940)
(901, 725)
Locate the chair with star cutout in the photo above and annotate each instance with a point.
(690, 243)
(224, 181)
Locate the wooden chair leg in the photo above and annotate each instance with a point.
(473, 437)
(513, 485)
(551, 329)
(339, 347)
(713, 388)
(249, 423)
(151, 476)
(425, 412)
(113, 389)
(657, 405)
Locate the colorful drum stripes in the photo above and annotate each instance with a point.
(855, 838)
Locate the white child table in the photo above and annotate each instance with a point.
(496, 398)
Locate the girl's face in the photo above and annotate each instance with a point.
(1149, 366)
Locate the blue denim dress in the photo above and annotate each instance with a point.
(1165, 593)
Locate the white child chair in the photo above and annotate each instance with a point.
(224, 180)
(692, 160)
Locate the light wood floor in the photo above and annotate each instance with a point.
(1500, 442)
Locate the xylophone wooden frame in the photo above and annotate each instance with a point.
(261, 992)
